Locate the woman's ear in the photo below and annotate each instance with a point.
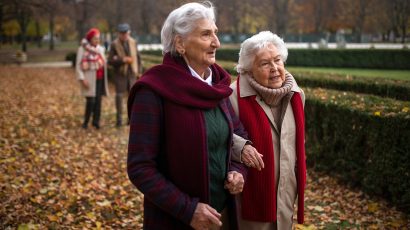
(179, 44)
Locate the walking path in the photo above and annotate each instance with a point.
(58, 64)
(56, 175)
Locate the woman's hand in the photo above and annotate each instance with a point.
(252, 158)
(234, 182)
(85, 84)
(205, 217)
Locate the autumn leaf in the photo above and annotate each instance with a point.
(373, 207)
(55, 175)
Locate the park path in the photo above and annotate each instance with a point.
(54, 174)
(56, 64)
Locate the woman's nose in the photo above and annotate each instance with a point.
(273, 66)
(215, 41)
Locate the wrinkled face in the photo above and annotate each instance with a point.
(95, 40)
(268, 68)
(123, 36)
(199, 47)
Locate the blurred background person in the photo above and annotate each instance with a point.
(125, 59)
(270, 104)
(91, 71)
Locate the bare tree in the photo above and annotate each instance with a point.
(22, 11)
(400, 14)
(50, 8)
(357, 13)
(84, 11)
(281, 12)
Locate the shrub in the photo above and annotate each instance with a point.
(72, 56)
(352, 58)
(399, 90)
(361, 139)
(339, 58)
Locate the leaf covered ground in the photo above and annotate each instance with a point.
(55, 175)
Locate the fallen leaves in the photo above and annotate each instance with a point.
(332, 205)
(54, 175)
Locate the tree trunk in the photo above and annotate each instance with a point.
(23, 22)
(403, 34)
(38, 35)
(281, 19)
(51, 28)
(81, 22)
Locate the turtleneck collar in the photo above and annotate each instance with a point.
(272, 97)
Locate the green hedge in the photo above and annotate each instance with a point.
(152, 52)
(338, 58)
(382, 87)
(363, 140)
(375, 59)
(72, 56)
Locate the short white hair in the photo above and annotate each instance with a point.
(252, 45)
(183, 21)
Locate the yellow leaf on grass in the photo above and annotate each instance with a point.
(27, 227)
(304, 227)
(90, 215)
(8, 160)
(104, 203)
(52, 218)
(405, 109)
(397, 223)
(373, 207)
(318, 209)
(98, 225)
(377, 113)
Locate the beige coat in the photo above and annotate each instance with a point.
(285, 156)
(119, 50)
(90, 75)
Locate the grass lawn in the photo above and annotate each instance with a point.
(403, 75)
(38, 54)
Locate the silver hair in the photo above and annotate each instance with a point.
(252, 45)
(182, 21)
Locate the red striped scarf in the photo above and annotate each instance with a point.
(91, 59)
(259, 193)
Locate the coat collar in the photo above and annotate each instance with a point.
(247, 90)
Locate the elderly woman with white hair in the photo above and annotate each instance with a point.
(270, 106)
(181, 129)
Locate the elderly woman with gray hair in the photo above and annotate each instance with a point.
(181, 130)
(270, 106)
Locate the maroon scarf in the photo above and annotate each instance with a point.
(174, 82)
(184, 98)
(258, 201)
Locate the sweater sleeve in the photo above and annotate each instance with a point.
(240, 137)
(79, 72)
(143, 154)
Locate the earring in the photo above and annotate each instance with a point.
(182, 52)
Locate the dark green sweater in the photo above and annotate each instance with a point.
(217, 136)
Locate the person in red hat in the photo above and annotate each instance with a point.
(91, 71)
